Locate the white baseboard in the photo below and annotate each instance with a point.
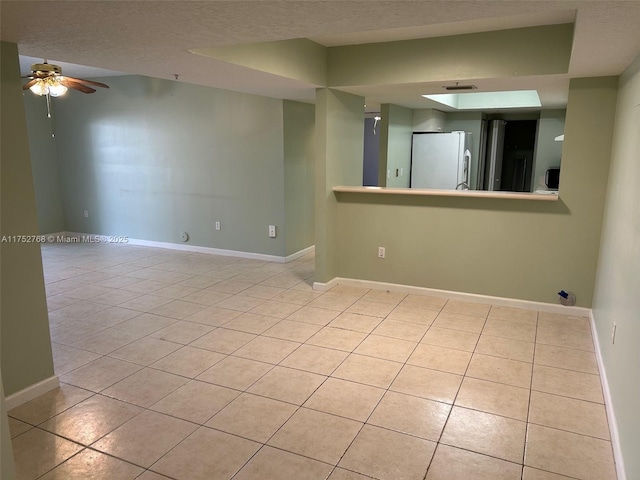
(611, 416)
(32, 391)
(323, 287)
(299, 253)
(209, 250)
(195, 248)
(467, 297)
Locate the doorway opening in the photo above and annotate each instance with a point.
(510, 153)
(371, 150)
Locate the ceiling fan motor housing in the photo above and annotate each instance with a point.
(46, 69)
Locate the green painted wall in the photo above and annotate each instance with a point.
(618, 279)
(44, 163)
(543, 50)
(339, 150)
(548, 151)
(24, 324)
(298, 58)
(398, 145)
(151, 158)
(7, 464)
(299, 144)
(509, 248)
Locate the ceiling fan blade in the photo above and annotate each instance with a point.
(89, 82)
(29, 84)
(71, 83)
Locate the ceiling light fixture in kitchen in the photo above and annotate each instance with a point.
(488, 100)
(458, 87)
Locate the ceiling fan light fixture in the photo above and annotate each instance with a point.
(56, 89)
(48, 86)
(39, 88)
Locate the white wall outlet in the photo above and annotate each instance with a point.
(381, 252)
(388, 173)
(184, 236)
(86, 213)
(272, 231)
(401, 171)
(613, 333)
(217, 225)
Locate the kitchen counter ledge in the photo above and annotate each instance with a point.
(547, 197)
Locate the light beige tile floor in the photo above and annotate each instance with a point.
(178, 365)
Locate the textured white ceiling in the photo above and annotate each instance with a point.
(152, 37)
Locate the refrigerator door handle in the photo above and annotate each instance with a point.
(467, 161)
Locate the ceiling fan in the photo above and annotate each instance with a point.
(47, 79)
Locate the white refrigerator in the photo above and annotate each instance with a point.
(441, 160)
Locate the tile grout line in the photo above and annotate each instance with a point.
(299, 407)
(386, 391)
(444, 426)
(526, 433)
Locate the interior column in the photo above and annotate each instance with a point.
(338, 161)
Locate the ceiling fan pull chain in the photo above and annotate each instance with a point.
(48, 105)
(53, 132)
